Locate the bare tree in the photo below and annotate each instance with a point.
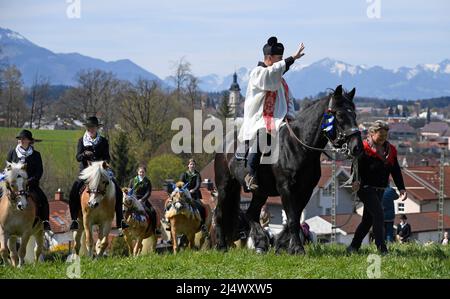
(180, 77)
(95, 94)
(39, 96)
(12, 101)
(192, 91)
(146, 111)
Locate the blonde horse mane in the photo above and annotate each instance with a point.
(13, 170)
(93, 175)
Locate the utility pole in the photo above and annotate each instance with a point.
(441, 195)
(333, 199)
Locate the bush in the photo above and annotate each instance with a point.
(163, 167)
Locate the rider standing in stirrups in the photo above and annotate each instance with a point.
(268, 103)
(92, 147)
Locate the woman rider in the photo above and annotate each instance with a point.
(92, 147)
(25, 153)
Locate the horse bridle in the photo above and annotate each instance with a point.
(342, 135)
(97, 191)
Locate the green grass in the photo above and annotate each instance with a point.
(404, 261)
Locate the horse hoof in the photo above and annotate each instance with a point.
(297, 251)
(260, 250)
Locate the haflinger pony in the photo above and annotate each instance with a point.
(141, 225)
(97, 208)
(18, 216)
(293, 172)
(185, 219)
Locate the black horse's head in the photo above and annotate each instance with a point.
(346, 133)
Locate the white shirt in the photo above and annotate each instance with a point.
(263, 81)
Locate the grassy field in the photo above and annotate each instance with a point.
(58, 150)
(321, 261)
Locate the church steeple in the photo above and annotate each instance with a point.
(235, 95)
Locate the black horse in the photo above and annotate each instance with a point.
(293, 176)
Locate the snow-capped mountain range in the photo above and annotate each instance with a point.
(422, 81)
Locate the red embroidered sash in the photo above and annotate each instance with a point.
(269, 105)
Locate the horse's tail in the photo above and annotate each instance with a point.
(227, 210)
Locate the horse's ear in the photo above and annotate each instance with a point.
(180, 184)
(338, 90)
(351, 94)
(8, 166)
(125, 190)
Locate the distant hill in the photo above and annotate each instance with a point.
(60, 69)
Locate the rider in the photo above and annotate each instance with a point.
(25, 153)
(268, 102)
(92, 147)
(142, 188)
(193, 179)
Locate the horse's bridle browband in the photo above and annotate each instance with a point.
(96, 191)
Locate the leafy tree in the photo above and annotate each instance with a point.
(122, 162)
(163, 167)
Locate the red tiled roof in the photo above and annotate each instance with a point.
(401, 127)
(422, 182)
(59, 211)
(435, 127)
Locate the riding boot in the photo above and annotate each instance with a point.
(43, 208)
(75, 203)
(120, 223)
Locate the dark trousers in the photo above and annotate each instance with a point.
(254, 159)
(42, 202)
(372, 216)
(389, 231)
(75, 201)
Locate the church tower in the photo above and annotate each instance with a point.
(235, 95)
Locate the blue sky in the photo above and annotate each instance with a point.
(217, 36)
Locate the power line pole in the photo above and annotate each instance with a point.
(441, 195)
(333, 199)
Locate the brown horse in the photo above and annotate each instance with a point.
(142, 225)
(97, 208)
(185, 220)
(18, 216)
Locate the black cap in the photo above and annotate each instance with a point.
(273, 47)
(28, 135)
(403, 216)
(92, 122)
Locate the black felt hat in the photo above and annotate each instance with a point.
(28, 135)
(92, 122)
(273, 47)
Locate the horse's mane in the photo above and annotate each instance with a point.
(93, 174)
(13, 171)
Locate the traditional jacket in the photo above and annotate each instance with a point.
(142, 189)
(194, 180)
(34, 165)
(268, 100)
(100, 150)
(374, 170)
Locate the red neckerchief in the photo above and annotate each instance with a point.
(391, 152)
(269, 105)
